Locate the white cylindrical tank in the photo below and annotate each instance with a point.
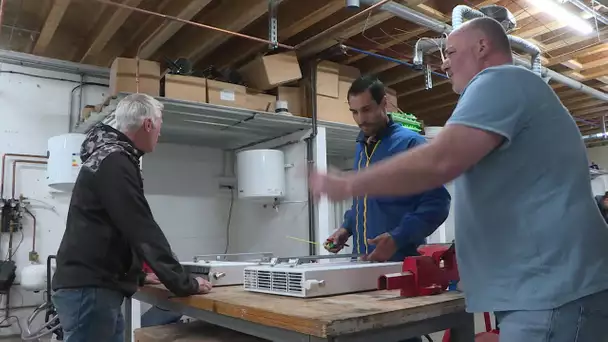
(260, 174)
(33, 278)
(64, 160)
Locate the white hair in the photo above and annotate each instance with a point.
(131, 111)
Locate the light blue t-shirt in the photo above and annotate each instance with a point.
(529, 235)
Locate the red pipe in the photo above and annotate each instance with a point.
(24, 161)
(13, 155)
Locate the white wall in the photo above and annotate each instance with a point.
(181, 184)
(31, 111)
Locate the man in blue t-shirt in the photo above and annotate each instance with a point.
(531, 243)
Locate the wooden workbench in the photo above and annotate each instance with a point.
(376, 315)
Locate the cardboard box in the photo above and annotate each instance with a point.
(294, 97)
(122, 76)
(186, 88)
(260, 101)
(347, 75)
(328, 79)
(226, 94)
(270, 71)
(334, 110)
(191, 332)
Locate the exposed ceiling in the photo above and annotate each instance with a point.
(91, 32)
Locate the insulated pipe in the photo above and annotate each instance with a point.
(462, 12)
(353, 4)
(583, 7)
(531, 49)
(426, 45)
(441, 27)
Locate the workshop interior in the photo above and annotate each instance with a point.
(255, 96)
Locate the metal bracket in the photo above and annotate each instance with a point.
(428, 79)
(264, 256)
(273, 24)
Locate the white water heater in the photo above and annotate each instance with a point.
(261, 174)
(64, 160)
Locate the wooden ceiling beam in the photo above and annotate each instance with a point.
(325, 43)
(104, 32)
(170, 27)
(196, 43)
(290, 30)
(50, 25)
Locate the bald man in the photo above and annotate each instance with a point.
(531, 244)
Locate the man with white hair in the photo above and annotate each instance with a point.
(110, 229)
(530, 241)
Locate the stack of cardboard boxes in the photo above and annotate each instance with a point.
(267, 77)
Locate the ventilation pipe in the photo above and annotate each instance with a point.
(462, 13)
(601, 135)
(353, 4)
(441, 27)
(583, 7)
(426, 45)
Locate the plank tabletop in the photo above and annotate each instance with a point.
(321, 317)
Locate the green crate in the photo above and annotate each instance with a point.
(407, 120)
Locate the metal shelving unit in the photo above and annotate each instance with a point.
(228, 128)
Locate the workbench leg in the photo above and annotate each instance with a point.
(465, 331)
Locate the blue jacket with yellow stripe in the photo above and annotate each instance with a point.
(409, 219)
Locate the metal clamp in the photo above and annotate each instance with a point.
(264, 256)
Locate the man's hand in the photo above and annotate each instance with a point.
(337, 187)
(339, 238)
(151, 279)
(203, 285)
(385, 247)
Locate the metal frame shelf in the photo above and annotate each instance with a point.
(228, 128)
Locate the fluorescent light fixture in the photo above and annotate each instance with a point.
(563, 15)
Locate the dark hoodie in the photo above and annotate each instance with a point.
(110, 228)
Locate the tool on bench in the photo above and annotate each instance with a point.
(432, 272)
(329, 244)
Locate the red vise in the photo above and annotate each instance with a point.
(424, 275)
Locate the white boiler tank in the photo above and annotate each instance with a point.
(261, 174)
(64, 160)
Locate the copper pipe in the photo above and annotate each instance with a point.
(261, 40)
(342, 23)
(24, 161)
(2, 3)
(4, 168)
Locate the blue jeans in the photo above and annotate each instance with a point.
(583, 320)
(157, 316)
(90, 314)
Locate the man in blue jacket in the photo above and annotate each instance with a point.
(386, 228)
